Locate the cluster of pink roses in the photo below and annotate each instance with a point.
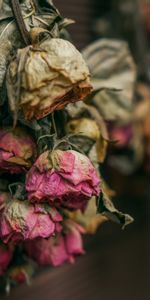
(57, 182)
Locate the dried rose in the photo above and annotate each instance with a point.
(53, 74)
(85, 126)
(57, 250)
(73, 239)
(47, 251)
(21, 221)
(88, 131)
(5, 258)
(49, 18)
(63, 177)
(17, 151)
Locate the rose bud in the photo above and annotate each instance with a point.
(53, 74)
(65, 178)
(5, 258)
(22, 220)
(17, 151)
(57, 250)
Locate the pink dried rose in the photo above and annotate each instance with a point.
(17, 151)
(47, 251)
(5, 258)
(65, 178)
(57, 250)
(22, 220)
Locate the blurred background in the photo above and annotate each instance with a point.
(117, 263)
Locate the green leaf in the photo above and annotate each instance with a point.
(107, 208)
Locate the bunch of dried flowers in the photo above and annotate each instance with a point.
(51, 145)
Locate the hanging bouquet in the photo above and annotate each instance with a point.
(52, 144)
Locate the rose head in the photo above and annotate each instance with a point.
(57, 250)
(88, 137)
(22, 220)
(17, 151)
(5, 258)
(47, 251)
(65, 178)
(85, 126)
(53, 74)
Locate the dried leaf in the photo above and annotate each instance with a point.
(89, 219)
(107, 208)
(113, 77)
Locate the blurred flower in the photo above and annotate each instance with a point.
(18, 275)
(5, 258)
(17, 151)
(21, 274)
(54, 74)
(73, 239)
(113, 74)
(63, 177)
(57, 250)
(21, 221)
(122, 135)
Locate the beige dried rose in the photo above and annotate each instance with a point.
(46, 77)
(88, 133)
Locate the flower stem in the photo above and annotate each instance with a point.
(54, 125)
(15, 6)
